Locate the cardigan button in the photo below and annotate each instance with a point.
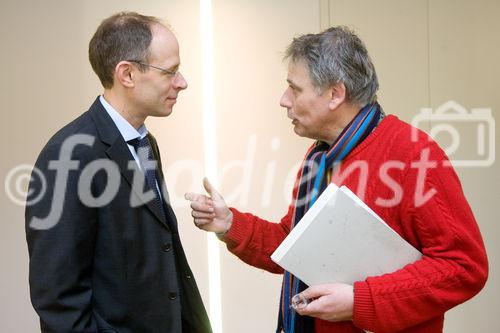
(188, 276)
(172, 296)
(166, 247)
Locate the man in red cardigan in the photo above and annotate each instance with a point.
(399, 172)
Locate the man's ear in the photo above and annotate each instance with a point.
(337, 95)
(124, 74)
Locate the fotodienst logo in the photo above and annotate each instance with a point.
(467, 137)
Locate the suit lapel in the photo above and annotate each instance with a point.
(119, 152)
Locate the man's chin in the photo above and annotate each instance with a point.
(298, 131)
(164, 112)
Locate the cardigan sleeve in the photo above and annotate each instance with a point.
(253, 239)
(454, 265)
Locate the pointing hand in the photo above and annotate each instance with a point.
(210, 213)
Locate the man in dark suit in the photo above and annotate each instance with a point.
(105, 253)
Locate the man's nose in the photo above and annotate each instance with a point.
(285, 100)
(180, 82)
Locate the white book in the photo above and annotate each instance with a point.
(340, 239)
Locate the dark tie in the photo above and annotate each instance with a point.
(145, 154)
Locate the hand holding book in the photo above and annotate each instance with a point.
(341, 240)
(332, 302)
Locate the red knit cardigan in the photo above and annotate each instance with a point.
(427, 208)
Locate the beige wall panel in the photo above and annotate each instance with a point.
(253, 130)
(395, 34)
(464, 52)
(40, 89)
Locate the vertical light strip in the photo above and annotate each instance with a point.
(209, 146)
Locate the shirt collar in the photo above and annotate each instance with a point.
(127, 131)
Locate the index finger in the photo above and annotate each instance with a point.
(316, 291)
(191, 196)
(202, 206)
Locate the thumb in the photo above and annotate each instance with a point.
(210, 189)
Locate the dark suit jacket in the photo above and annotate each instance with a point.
(105, 266)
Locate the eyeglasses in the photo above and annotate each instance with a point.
(166, 71)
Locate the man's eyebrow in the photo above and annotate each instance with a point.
(175, 67)
(290, 82)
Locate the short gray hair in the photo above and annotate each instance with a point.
(337, 55)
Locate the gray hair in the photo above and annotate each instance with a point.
(337, 55)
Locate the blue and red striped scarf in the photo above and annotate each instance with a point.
(319, 163)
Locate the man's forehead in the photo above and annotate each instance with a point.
(298, 62)
(298, 67)
(162, 34)
(164, 46)
(298, 71)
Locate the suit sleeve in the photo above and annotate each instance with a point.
(61, 250)
(454, 265)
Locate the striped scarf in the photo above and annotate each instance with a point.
(316, 169)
